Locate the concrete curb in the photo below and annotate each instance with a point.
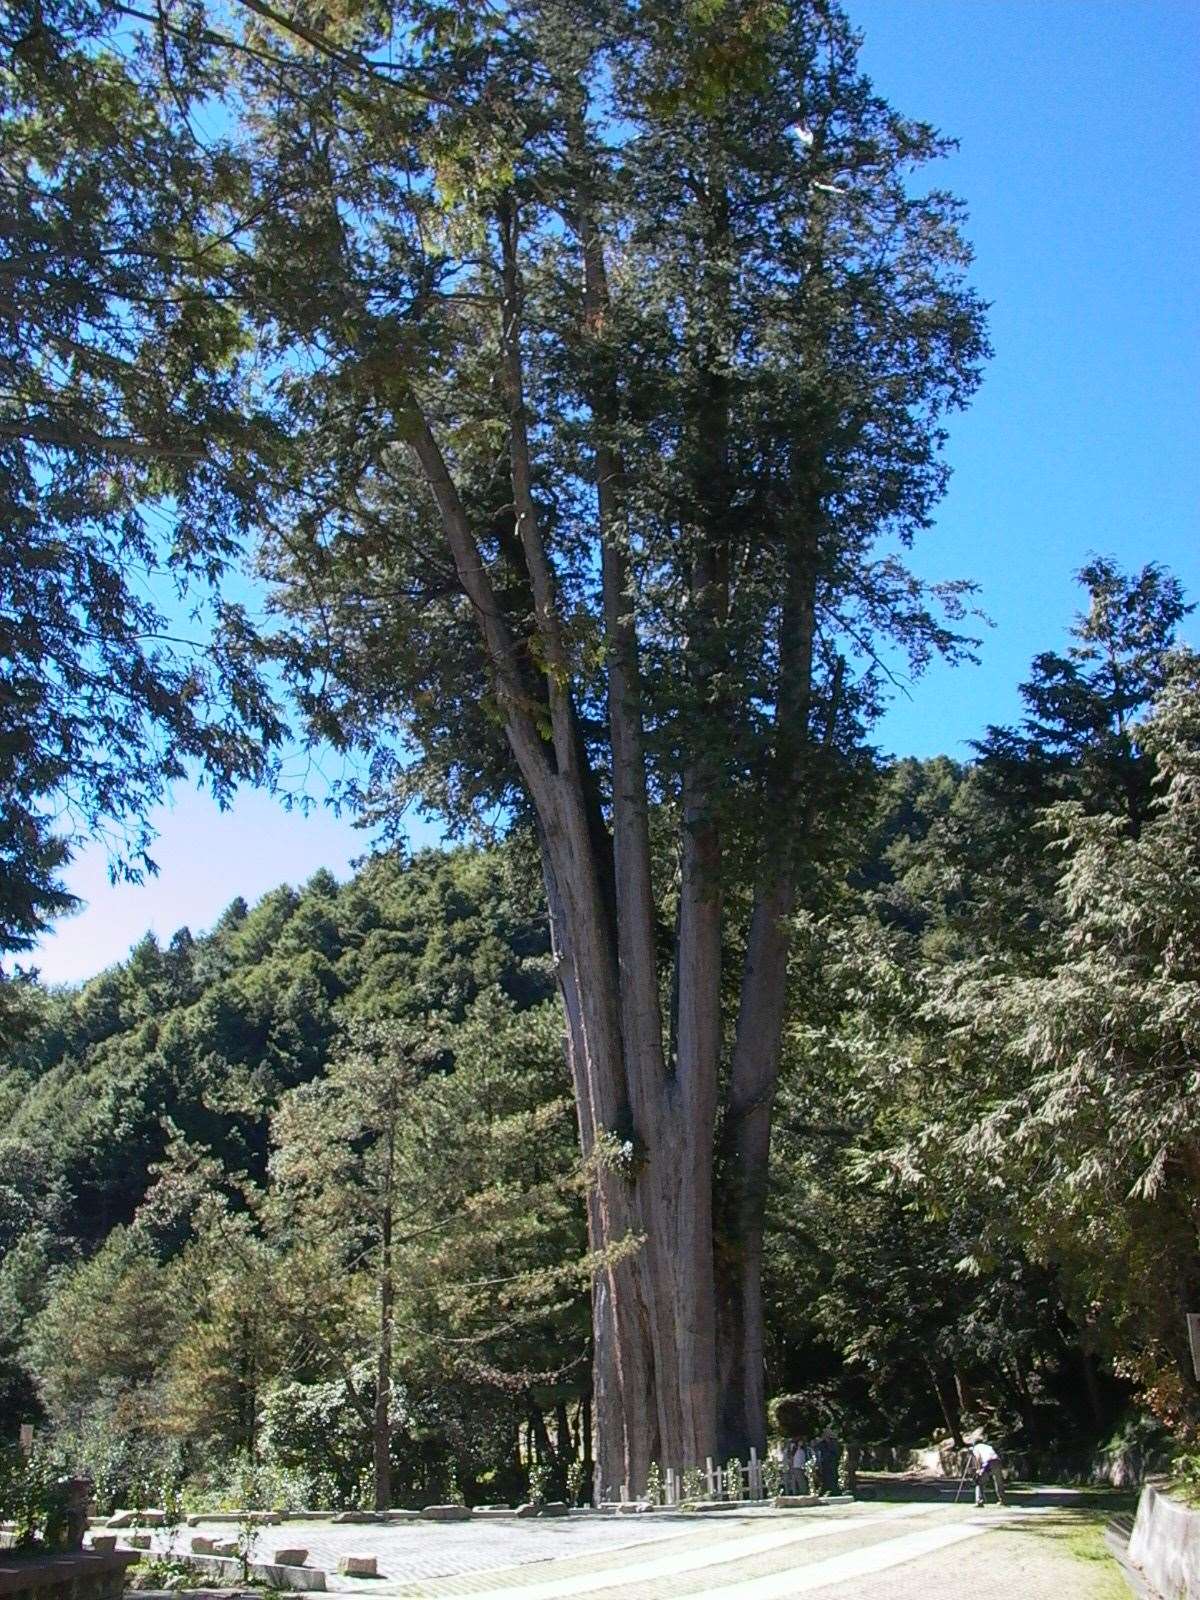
(271, 1573)
(1165, 1544)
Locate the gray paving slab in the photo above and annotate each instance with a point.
(866, 1551)
(419, 1550)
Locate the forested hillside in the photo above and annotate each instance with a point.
(189, 1222)
(240, 1172)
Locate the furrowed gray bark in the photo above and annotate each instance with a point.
(674, 1123)
(382, 1420)
(745, 1143)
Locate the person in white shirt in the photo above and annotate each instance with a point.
(987, 1468)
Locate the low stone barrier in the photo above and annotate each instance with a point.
(275, 1574)
(1165, 1544)
(257, 1519)
(78, 1575)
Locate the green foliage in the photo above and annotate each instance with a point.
(126, 665)
(129, 1470)
(316, 1446)
(772, 1475)
(1185, 1476)
(165, 1572)
(1001, 1012)
(32, 1497)
(540, 1473)
(199, 1299)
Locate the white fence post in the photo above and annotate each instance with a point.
(754, 1476)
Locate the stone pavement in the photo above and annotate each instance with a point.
(865, 1551)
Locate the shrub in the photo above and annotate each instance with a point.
(539, 1482)
(33, 1498)
(1185, 1476)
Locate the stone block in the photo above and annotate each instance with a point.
(225, 1547)
(203, 1544)
(138, 1541)
(716, 1505)
(136, 1519)
(445, 1513)
(359, 1516)
(400, 1514)
(792, 1502)
(555, 1508)
(492, 1511)
(357, 1567)
(102, 1543)
(290, 1556)
(528, 1509)
(277, 1576)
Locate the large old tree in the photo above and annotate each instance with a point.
(605, 349)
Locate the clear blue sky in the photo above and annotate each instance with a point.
(1079, 125)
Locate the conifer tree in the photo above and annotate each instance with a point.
(607, 350)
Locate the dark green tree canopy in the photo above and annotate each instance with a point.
(124, 442)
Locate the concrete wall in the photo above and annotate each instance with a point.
(1165, 1545)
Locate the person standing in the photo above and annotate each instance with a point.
(829, 1453)
(987, 1468)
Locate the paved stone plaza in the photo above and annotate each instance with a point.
(865, 1551)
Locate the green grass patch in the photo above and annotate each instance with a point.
(1078, 1531)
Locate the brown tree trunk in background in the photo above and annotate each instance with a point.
(564, 1443)
(963, 1391)
(586, 1452)
(1092, 1387)
(537, 1429)
(947, 1399)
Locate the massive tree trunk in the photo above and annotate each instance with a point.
(745, 1141)
(382, 1418)
(646, 1117)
